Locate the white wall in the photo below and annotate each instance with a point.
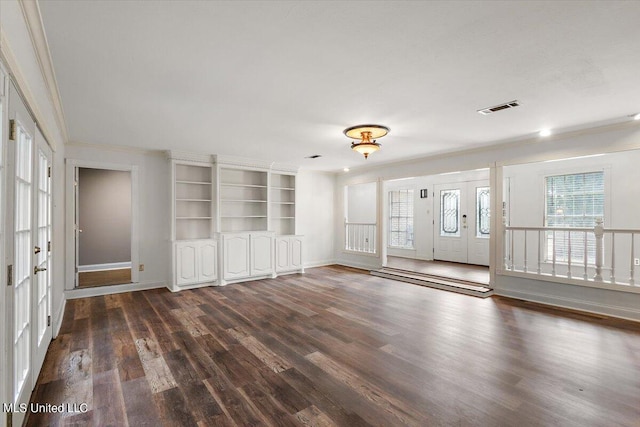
(314, 210)
(361, 203)
(154, 209)
(606, 139)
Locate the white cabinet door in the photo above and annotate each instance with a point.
(261, 254)
(295, 261)
(283, 254)
(186, 262)
(236, 256)
(208, 261)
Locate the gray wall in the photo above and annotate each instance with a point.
(104, 207)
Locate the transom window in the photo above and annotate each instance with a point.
(574, 200)
(401, 219)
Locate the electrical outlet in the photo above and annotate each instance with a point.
(141, 267)
(366, 240)
(636, 261)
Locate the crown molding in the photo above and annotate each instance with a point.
(33, 19)
(254, 163)
(15, 73)
(116, 148)
(189, 157)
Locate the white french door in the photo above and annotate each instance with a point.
(461, 226)
(42, 253)
(20, 245)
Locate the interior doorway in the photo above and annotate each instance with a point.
(103, 226)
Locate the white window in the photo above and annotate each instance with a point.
(575, 200)
(401, 219)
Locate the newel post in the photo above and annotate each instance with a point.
(598, 230)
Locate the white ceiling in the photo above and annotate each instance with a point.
(279, 81)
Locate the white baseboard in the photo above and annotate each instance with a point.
(111, 289)
(104, 267)
(358, 265)
(324, 263)
(57, 324)
(573, 304)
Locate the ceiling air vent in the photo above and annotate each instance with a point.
(315, 156)
(500, 107)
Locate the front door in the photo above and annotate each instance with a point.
(461, 226)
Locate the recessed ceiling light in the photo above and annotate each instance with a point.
(346, 169)
(545, 132)
(636, 117)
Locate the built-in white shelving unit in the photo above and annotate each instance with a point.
(193, 200)
(243, 199)
(233, 220)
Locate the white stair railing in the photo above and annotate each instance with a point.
(579, 254)
(360, 237)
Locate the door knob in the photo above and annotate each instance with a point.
(36, 269)
(36, 250)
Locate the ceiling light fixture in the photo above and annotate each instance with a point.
(346, 169)
(636, 117)
(545, 132)
(367, 134)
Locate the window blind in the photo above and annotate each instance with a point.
(574, 200)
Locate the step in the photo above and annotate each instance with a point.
(454, 285)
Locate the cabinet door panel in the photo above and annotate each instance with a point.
(261, 254)
(296, 253)
(236, 256)
(186, 263)
(283, 249)
(208, 262)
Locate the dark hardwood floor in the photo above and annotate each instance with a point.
(337, 346)
(90, 279)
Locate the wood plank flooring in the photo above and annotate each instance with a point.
(337, 346)
(90, 279)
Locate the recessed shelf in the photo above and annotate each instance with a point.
(193, 182)
(284, 203)
(244, 201)
(244, 185)
(283, 188)
(193, 217)
(243, 216)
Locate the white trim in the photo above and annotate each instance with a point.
(71, 165)
(111, 289)
(569, 281)
(573, 304)
(324, 263)
(20, 81)
(115, 148)
(57, 319)
(104, 267)
(358, 265)
(33, 20)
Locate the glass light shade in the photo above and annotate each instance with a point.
(365, 148)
